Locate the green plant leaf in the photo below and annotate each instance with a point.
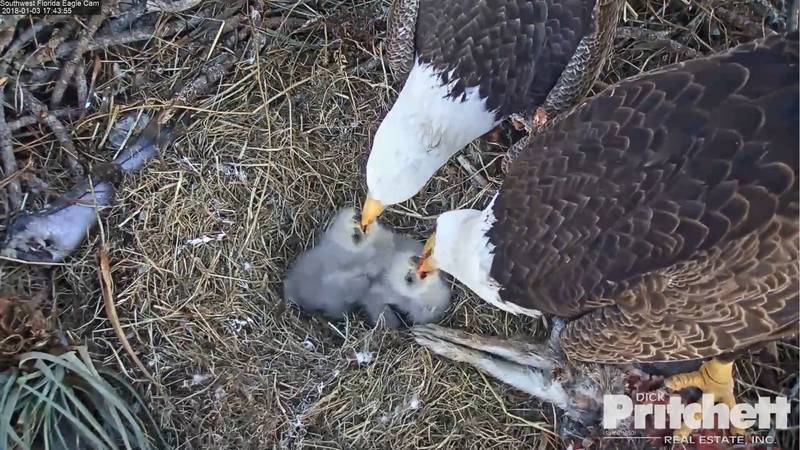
(68, 395)
(7, 412)
(138, 398)
(80, 426)
(55, 400)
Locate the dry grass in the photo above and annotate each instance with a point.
(265, 160)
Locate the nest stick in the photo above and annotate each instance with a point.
(77, 56)
(82, 86)
(98, 64)
(124, 20)
(111, 311)
(7, 32)
(24, 38)
(477, 179)
(143, 34)
(765, 8)
(657, 37)
(9, 162)
(46, 51)
(26, 121)
(211, 72)
(111, 39)
(206, 34)
(739, 21)
(18, 174)
(45, 117)
(171, 6)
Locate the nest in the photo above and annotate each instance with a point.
(276, 138)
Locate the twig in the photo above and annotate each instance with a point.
(9, 28)
(124, 20)
(739, 21)
(171, 6)
(23, 39)
(366, 67)
(111, 39)
(477, 179)
(9, 179)
(258, 38)
(210, 73)
(69, 68)
(165, 30)
(26, 121)
(765, 9)
(82, 86)
(660, 38)
(107, 284)
(45, 117)
(98, 64)
(205, 33)
(9, 160)
(290, 24)
(117, 37)
(46, 51)
(27, 36)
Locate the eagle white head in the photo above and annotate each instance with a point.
(424, 128)
(461, 247)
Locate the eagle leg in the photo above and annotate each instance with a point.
(400, 40)
(713, 377)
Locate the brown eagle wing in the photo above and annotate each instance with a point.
(514, 51)
(690, 169)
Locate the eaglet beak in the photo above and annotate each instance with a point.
(370, 211)
(426, 264)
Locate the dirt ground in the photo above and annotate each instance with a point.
(200, 240)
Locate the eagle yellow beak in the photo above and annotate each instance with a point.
(426, 264)
(370, 211)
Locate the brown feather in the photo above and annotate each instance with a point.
(661, 215)
(518, 53)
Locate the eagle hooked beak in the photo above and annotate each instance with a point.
(370, 211)
(426, 264)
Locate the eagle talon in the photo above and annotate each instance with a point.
(539, 118)
(714, 377)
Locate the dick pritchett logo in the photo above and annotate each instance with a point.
(659, 411)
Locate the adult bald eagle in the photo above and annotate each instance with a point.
(469, 65)
(660, 218)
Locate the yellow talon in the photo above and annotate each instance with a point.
(714, 377)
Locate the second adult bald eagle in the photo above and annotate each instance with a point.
(469, 65)
(660, 218)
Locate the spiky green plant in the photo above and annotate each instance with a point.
(62, 402)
